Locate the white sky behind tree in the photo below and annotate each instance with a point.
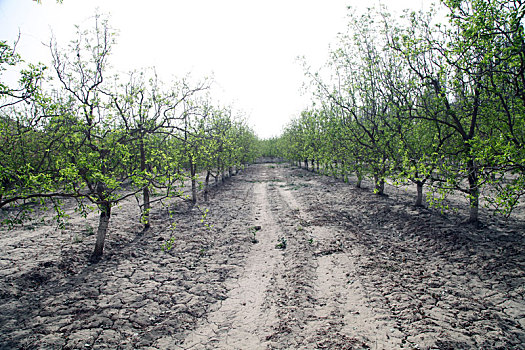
(249, 47)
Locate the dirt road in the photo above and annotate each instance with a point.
(294, 260)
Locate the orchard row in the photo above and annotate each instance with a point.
(416, 101)
(100, 139)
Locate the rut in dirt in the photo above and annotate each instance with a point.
(244, 317)
(292, 292)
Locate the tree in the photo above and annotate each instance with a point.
(360, 65)
(440, 104)
(25, 149)
(491, 45)
(100, 142)
(28, 83)
(97, 149)
(150, 115)
(457, 66)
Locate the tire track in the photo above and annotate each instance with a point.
(243, 319)
(334, 312)
(292, 287)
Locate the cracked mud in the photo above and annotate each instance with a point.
(294, 260)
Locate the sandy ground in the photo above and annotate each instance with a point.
(294, 260)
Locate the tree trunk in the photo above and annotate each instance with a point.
(359, 179)
(306, 164)
(473, 192)
(145, 192)
(419, 199)
(193, 184)
(379, 185)
(146, 208)
(206, 186)
(105, 214)
(474, 209)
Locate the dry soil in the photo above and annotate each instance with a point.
(294, 260)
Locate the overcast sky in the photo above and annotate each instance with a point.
(250, 47)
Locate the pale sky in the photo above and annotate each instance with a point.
(250, 47)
